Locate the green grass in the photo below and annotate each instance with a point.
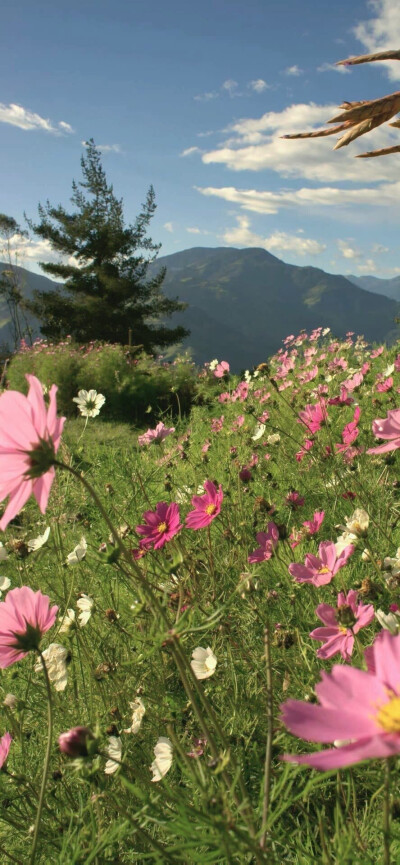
(199, 590)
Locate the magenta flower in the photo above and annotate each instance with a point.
(314, 525)
(313, 416)
(161, 525)
(74, 742)
(156, 435)
(387, 428)
(294, 500)
(5, 743)
(29, 439)
(222, 369)
(25, 616)
(341, 625)
(354, 705)
(206, 507)
(320, 570)
(268, 542)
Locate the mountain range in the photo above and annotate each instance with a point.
(243, 302)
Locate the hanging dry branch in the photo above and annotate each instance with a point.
(357, 118)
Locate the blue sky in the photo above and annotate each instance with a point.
(193, 98)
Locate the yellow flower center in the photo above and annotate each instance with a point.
(162, 527)
(210, 509)
(323, 571)
(389, 716)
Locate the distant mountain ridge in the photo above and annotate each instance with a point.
(387, 287)
(243, 302)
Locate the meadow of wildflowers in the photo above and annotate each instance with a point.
(200, 620)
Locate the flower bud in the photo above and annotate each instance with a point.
(74, 742)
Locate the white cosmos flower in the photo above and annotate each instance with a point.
(84, 604)
(213, 364)
(68, 621)
(344, 540)
(358, 523)
(36, 543)
(163, 758)
(114, 751)
(273, 439)
(55, 657)
(388, 371)
(78, 553)
(89, 402)
(325, 331)
(259, 431)
(203, 662)
(138, 712)
(389, 621)
(393, 565)
(5, 584)
(183, 495)
(3, 553)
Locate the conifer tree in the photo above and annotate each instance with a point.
(104, 265)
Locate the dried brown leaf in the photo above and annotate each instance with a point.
(369, 58)
(384, 151)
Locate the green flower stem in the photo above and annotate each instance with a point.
(46, 760)
(386, 814)
(268, 747)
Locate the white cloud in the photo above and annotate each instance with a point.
(206, 97)
(230, 86)
(190, 150)
(193, 230)
(256, 144)
(347, 250)
(27, 251)
(381, 33)
(105, 148)
(259, 85)
(331, 67)
(379, 249)
(66, 127)
(369, 266)
(21, 117)
(279, 240)
(169, 227)
(385, 195)
(295, 71)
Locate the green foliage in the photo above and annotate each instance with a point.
(106, 293)
(138, 389)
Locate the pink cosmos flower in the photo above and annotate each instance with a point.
(376, 352)
(206, 507)
(320, 570)
(156, 435)
(387, 428)
(342, 399)
(222, 369)
(308, 443)
(355, 705)
(354, 382)
(268, 542)
(161, 525)
(384, 386)
(29, 439)
(313, 416)
(341, 625)
(350, 433)
(217, 423)
(5, 743)
(25, 616)
(294, 500)
(314, 525)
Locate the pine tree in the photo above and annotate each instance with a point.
(104, 265)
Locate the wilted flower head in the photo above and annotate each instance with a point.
(25, 616)
(30, 435)
(203, 662)
(163, 758)
(89, 402)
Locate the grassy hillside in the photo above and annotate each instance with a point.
(190, 642)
